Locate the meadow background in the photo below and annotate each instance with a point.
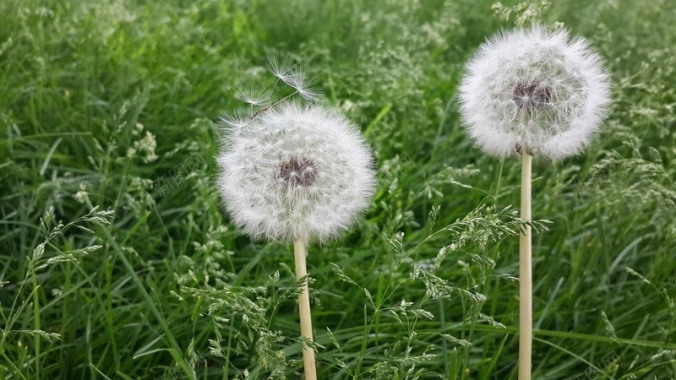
(116, 261)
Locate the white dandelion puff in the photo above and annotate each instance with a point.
(295, 172)
(534, 89)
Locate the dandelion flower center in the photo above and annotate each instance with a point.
(295, 173)
(531, 95)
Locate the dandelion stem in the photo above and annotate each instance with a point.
(525, 273)
(304, 309)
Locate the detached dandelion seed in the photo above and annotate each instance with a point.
(293, 76)
(253, 97)
(299, 81)
(295, 174)
(533, 92)
(280, 66)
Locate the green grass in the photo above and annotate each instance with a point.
(175, 291)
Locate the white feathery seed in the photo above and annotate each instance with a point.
(534, 89)
(280, 66)
(253, 97)
(295, 172)
(293, 76)
(299, 81)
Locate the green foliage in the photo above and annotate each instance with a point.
(110, 105)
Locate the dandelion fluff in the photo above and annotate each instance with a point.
(534, 89)
(295, 172)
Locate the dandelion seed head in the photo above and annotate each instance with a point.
(295, 172)
(535, 89)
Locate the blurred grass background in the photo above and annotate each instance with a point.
(103, 101)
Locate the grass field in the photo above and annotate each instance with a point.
(117, 262)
